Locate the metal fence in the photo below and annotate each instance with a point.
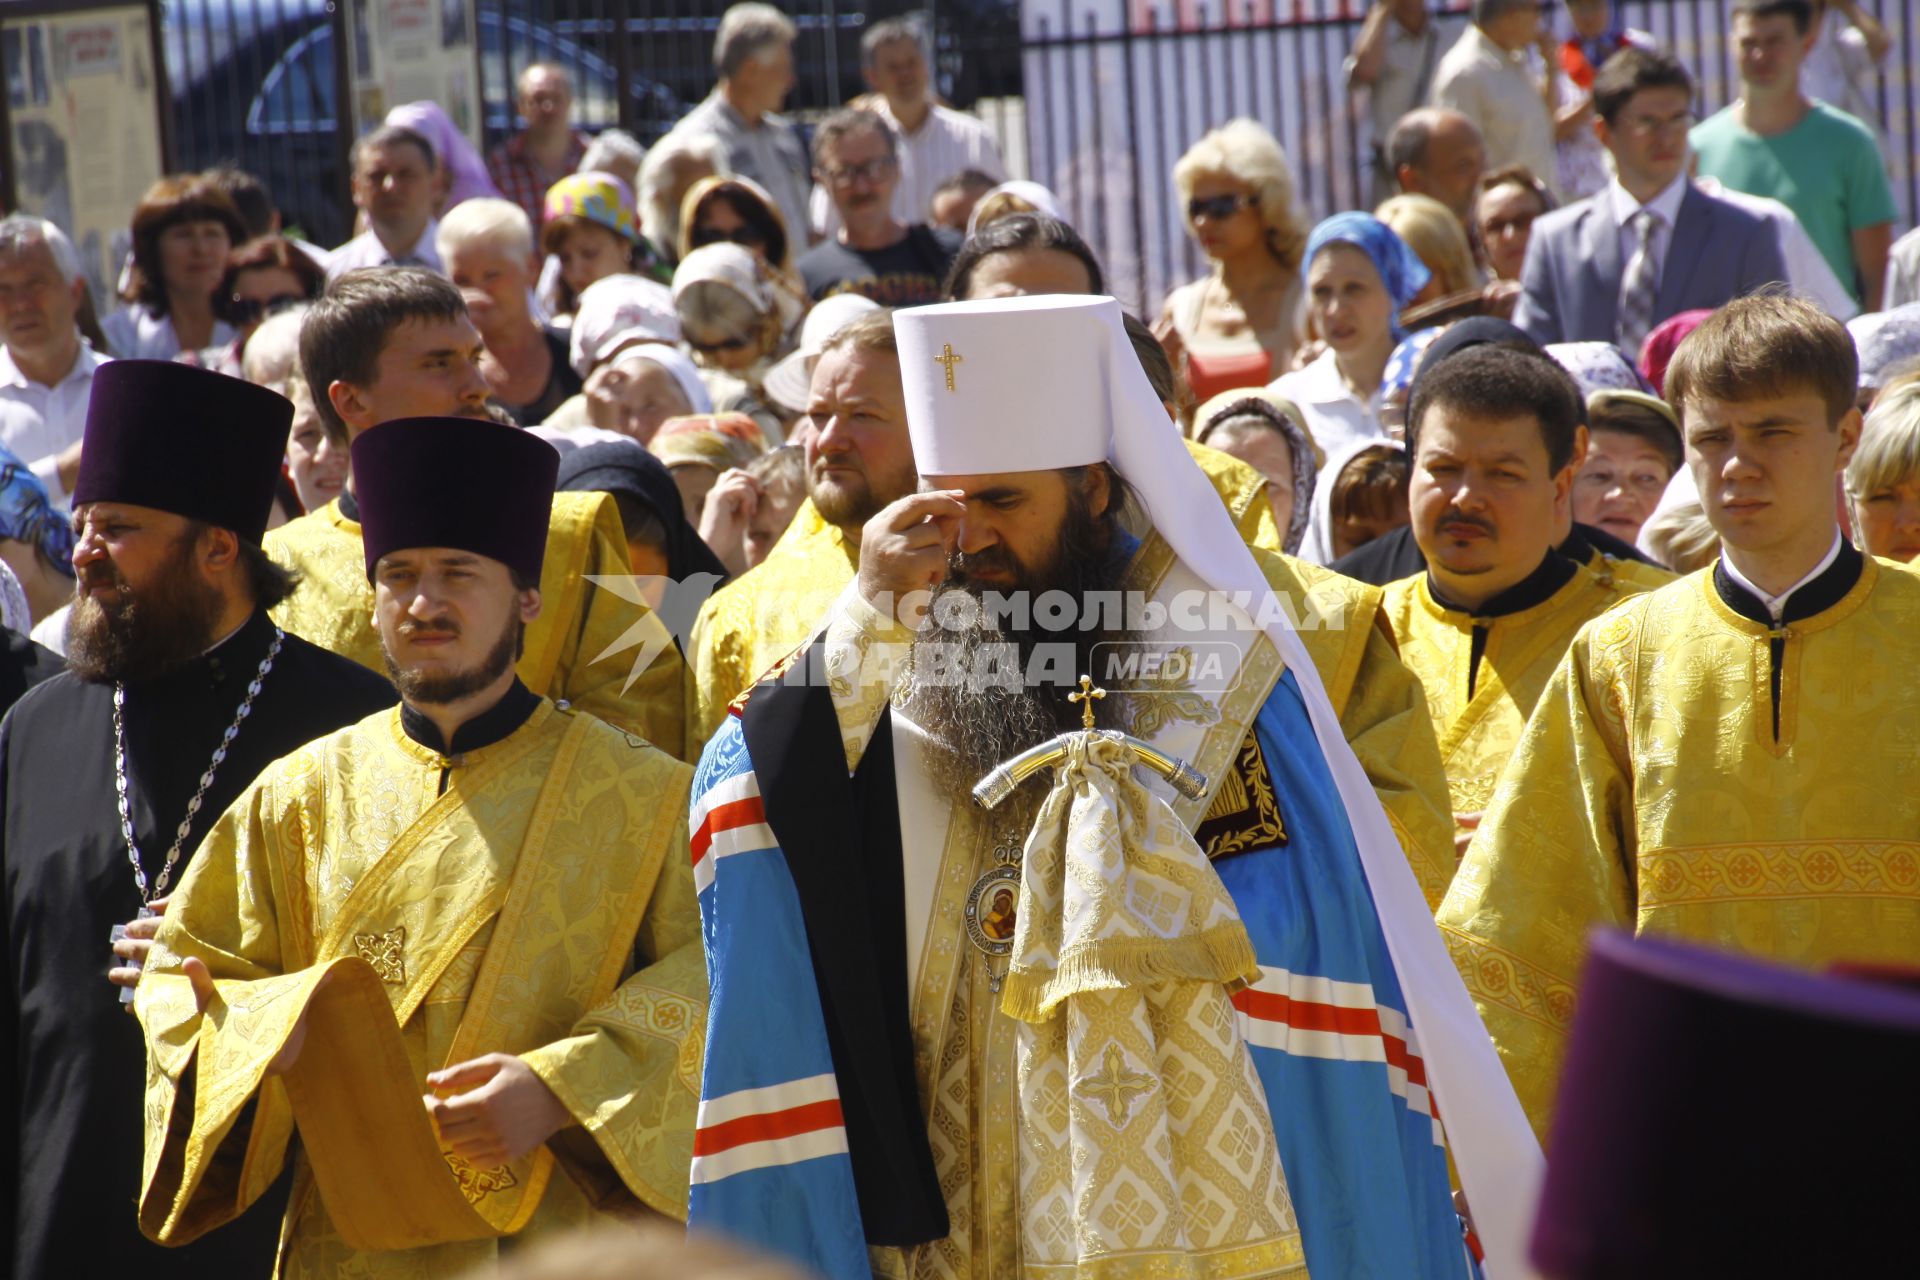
(1115, 93)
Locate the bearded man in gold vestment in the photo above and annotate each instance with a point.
(1496, 440)
(1728, 758)
(454, 945)
(395, 342)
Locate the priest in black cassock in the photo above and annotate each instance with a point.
(180, 691)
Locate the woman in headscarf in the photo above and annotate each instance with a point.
(1359, 277)
(1359, 495)
(1268, 434)
(699, 448)
(661, 544)
(737, 317)
(1017, 196)
(643, 387)
(733, 210)
(591, 230)
(465, 170)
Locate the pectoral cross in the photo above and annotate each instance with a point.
(949, 359)
(1086, 698)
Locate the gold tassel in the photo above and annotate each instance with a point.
(1222, 954)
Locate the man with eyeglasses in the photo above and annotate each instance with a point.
(856, 160)
(1613, 266)
(1821, 162)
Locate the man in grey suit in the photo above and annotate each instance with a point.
(1611, 267)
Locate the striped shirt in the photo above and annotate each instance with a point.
(946, 143)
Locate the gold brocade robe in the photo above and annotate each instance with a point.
(964, 1047)
(1478, 733)
(771, 610)
(1650, 793)
(579, 620)
(541, 905)
(1634, 575)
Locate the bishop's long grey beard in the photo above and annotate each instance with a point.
(985, 690)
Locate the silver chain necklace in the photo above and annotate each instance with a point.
(206, 779)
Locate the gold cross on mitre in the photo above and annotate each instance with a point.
(948, 358)
(1086, 698)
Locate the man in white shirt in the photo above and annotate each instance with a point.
(933, 143)
(1650, 245)
(397, 185)
(1494, 77)
(46, 367)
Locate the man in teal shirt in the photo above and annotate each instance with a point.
(1817, 160)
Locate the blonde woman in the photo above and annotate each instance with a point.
(1883, 478)
(1237, 326)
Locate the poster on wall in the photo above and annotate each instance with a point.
(413, 51)
(84, 141)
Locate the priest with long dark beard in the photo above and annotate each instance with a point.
(181, 691)
(1119, 1025)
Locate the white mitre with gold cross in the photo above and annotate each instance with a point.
(1050, 381)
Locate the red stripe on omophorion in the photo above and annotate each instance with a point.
(725, 817)
(769, 1125)
(1269, 1006)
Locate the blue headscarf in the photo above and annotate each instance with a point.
(1400, 268)
(27, 514)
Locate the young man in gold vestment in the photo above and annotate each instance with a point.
(1728, 758)
(454, 945)
(1496, 435)
(396, 343)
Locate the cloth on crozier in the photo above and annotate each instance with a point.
(1127, 949)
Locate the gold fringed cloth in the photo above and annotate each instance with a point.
(1146, 1147)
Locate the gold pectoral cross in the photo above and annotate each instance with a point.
(949, 359)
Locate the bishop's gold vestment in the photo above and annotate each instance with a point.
(771, 610)
(579, 619)
(1479, 731)
(533, 897)
(964, 1049)
(1650, 792)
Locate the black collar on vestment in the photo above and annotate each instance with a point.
(1555, 572)
(1816, 597)
(483, 730)
(840, 836)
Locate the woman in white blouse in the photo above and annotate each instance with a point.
(1359, 277)
(182, 232)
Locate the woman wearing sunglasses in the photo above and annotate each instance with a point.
(264, 275)
(735, 211)
(1237, 326)
(737, 317)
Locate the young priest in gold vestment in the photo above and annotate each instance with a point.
(396, 342)
(1496, 436)
(1728, 758)
(454, 945)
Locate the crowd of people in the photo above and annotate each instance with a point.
(596, 623)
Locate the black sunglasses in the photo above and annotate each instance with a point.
(727, 344)
(1216, 207)
(741, 235)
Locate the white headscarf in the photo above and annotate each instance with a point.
(615, 311)
(1318, 546)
